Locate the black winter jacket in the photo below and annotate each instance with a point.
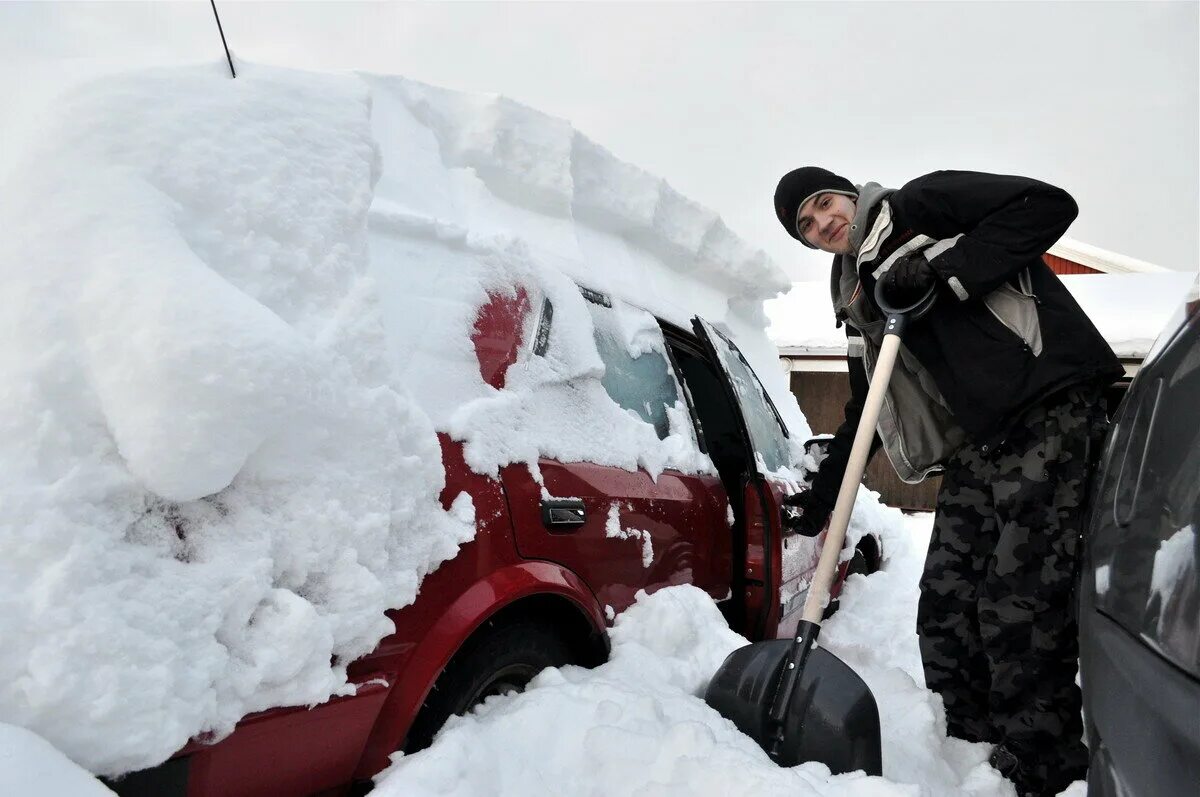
(989, 229)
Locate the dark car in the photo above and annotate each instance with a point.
(1139, 592)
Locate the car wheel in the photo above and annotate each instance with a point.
(496, 661)
(872, 558)
(863, 564)
(859, 564)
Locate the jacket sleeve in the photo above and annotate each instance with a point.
(837, 454)
(990, 226)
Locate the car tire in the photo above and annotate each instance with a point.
(860, 564)
(499, 659)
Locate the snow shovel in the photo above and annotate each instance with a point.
(799, 701)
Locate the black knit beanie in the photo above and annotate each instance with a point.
(797, 186)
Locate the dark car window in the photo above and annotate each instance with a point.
(767, 431)
(1146, 556)
(643, 384)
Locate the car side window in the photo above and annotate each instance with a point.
(637, 374)
(767, 431)
(1147, 554)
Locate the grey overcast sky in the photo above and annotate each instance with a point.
(723, 98)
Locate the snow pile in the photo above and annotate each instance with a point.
(236, 313)
(479, 195)
(540, 164)
(630, 727)
(30, 765)
(210, 482)
(552, 405)
(636, 726)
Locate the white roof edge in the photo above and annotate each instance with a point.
(812, 351)
(1100, 259)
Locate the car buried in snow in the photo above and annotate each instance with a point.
(1139, 612)
(542, 578)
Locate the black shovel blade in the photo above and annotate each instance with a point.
(831, 718)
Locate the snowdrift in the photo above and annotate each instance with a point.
(212, 486)
(635, 726)
(225, 362)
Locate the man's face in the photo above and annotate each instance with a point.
(824, 221)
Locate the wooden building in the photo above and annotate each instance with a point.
(813, 352)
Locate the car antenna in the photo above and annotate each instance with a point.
(221, 30)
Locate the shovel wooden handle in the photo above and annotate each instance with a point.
(818, 591)
(809, 625)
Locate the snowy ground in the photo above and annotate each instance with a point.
(31, 765)
(635, 725)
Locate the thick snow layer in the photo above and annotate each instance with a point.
(541, 167)
(551, 406)
(479, 193)
(1128, 309)
(557, 405)
(235, 315)
(30, 765)
(211, 483)
(636, 726)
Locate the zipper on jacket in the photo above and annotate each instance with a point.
(1024, 288)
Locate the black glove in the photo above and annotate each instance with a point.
(806, 513)
(909, 277)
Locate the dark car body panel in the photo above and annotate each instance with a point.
(1139, 601)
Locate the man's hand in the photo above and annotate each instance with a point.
(806, 513)
(909, 277)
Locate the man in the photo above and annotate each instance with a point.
(998, 386)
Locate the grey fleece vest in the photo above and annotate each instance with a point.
(918, 432)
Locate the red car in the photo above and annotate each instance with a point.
(542, 578)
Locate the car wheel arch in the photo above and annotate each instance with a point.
(534, 589)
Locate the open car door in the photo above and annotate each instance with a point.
(775, 566)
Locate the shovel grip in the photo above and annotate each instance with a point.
(818, 591)
(793, 664)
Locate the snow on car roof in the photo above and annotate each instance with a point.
(477, 192)
(543, 166)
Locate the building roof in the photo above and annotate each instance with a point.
(1129, 309)
(1102, 260)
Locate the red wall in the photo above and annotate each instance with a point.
(1063, 266)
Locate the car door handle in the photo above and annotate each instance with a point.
(563, 514)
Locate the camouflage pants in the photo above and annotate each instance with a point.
(996, 618)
